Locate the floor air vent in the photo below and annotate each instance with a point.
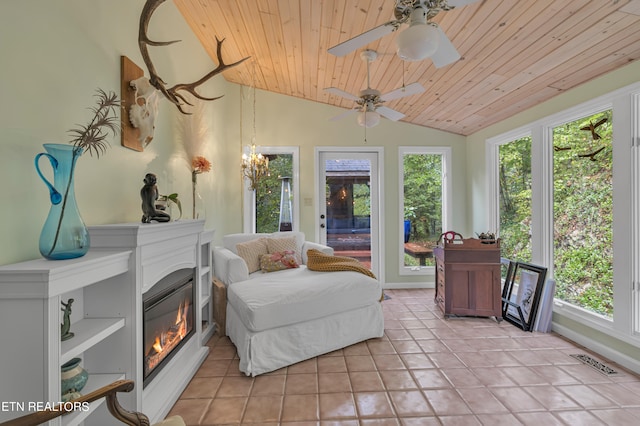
(595, 364)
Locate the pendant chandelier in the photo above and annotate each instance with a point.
(255, 166)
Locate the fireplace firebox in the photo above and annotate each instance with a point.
(168, 318)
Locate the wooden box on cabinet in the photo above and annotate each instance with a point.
(468, 278)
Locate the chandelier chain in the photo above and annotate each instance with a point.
(255, 166)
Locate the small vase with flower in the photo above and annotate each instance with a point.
(199, 165)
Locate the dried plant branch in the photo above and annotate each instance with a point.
(93, 136)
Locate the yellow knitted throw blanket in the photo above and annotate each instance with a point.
(318, 261)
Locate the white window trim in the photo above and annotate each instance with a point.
(635, 211)
(625, 103)
(447, 197)
(249, 203)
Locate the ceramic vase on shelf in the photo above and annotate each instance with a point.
(72, 379)
(64, 235)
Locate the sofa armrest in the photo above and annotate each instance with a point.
(308, 245)
(229, 267)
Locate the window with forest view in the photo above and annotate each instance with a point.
(583, 212)
(515, 199)
(423, 201)
(267, 195)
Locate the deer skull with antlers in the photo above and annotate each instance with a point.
(173, 93)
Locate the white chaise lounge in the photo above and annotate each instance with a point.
(279, 318)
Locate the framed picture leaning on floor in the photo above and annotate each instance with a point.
(521, 295)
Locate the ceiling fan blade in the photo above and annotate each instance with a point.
(340, 92)
(389, 113)
(363, 39)
(446, 52)
(460, 3)
(411, 89)
(344, 114)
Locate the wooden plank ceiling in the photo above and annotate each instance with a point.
(515, 54)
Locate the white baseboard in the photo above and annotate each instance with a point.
(624, 360)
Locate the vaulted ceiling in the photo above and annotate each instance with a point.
(514, 54)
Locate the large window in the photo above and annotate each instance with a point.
(423, 200)
(515, 199)
(583, 212)
(262, 207)
(584, 204)
(268, 195)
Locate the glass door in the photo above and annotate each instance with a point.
(349, 219)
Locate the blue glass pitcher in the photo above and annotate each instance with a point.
(64, 235)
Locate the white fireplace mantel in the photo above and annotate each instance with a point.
(107, 285)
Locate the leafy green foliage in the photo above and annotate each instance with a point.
(172, 198)
(515, 199)
(361, 200)
(583, 213)
(582, 210)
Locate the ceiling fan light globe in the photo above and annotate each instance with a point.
(368, 119)
(418, 42)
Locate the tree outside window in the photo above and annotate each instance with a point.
(583, 212)
(515, 199)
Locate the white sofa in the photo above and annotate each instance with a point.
(279, 318)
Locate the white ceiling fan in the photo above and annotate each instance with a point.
(421, 40)
(370, 100)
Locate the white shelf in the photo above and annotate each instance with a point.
(205, 302)
(88, 332)
(42, 279)
(108, 286)
(95, 382)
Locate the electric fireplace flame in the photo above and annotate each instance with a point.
(157, 346)
(168, 321)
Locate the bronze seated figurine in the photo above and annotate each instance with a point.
(149, 195)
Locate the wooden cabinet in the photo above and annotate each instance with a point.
(468, 278)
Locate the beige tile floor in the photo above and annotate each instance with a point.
(425, 370)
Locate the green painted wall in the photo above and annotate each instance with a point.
(54, 56)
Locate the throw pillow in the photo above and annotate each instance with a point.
(278, 261)
(251, 251)
(275, 245)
